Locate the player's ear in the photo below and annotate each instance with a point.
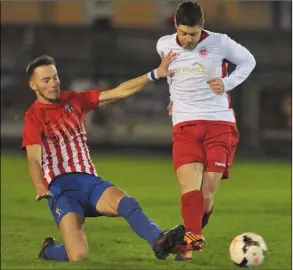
(32, 85)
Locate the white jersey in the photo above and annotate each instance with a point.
(190, 93)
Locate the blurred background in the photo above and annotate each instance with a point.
(98, 44)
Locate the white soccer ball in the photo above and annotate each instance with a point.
(247, 250)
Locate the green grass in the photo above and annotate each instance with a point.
(257, 199)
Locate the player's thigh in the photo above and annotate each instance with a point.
(231, 156)
(188, 156)
(108, 202)
(187, 145)
(64, 202)
(103, 198)
(74, 237)
(190, 176)
(218, 145)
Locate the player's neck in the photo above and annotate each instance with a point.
(46, 101)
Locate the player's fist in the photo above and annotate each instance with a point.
(43, 193)
(217, 85)
(163, 70)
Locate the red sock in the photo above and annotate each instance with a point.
(206, 216)
(192, 210)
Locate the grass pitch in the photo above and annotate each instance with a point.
(257, 198)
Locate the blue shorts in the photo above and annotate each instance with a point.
(78, 193)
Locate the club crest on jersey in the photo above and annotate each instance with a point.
(203, 52)
(68, 108)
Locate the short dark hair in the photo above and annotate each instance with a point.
(190, 14)
(43, 60)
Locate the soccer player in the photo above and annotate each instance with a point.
(62, 171)
(205, 135)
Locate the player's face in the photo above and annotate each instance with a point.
(45, 82)
(188, 36)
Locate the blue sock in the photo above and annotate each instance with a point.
(139, 222)
(56, 253)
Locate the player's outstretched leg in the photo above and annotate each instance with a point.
(115, 202)
(161, 242)
(168, 241)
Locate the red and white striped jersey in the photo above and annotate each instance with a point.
(192, 98)
(60, 130)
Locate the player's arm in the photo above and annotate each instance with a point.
(34, 155)
(239, 56)
(133, 86)
(242, 58)
(32, 143)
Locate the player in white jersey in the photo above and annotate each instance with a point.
(205, 133)
(62, 171)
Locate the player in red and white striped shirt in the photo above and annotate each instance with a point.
(62, 171)
(60, 130)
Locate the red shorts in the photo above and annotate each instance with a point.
(214, 145)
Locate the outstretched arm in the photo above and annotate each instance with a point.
(133, 86)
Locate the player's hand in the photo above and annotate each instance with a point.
(169, 108)
(43, 193)
(217, 85)
(163, 70)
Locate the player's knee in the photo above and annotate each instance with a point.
(190, 177)
(127, 205)
(190, 183)
(78, 255)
